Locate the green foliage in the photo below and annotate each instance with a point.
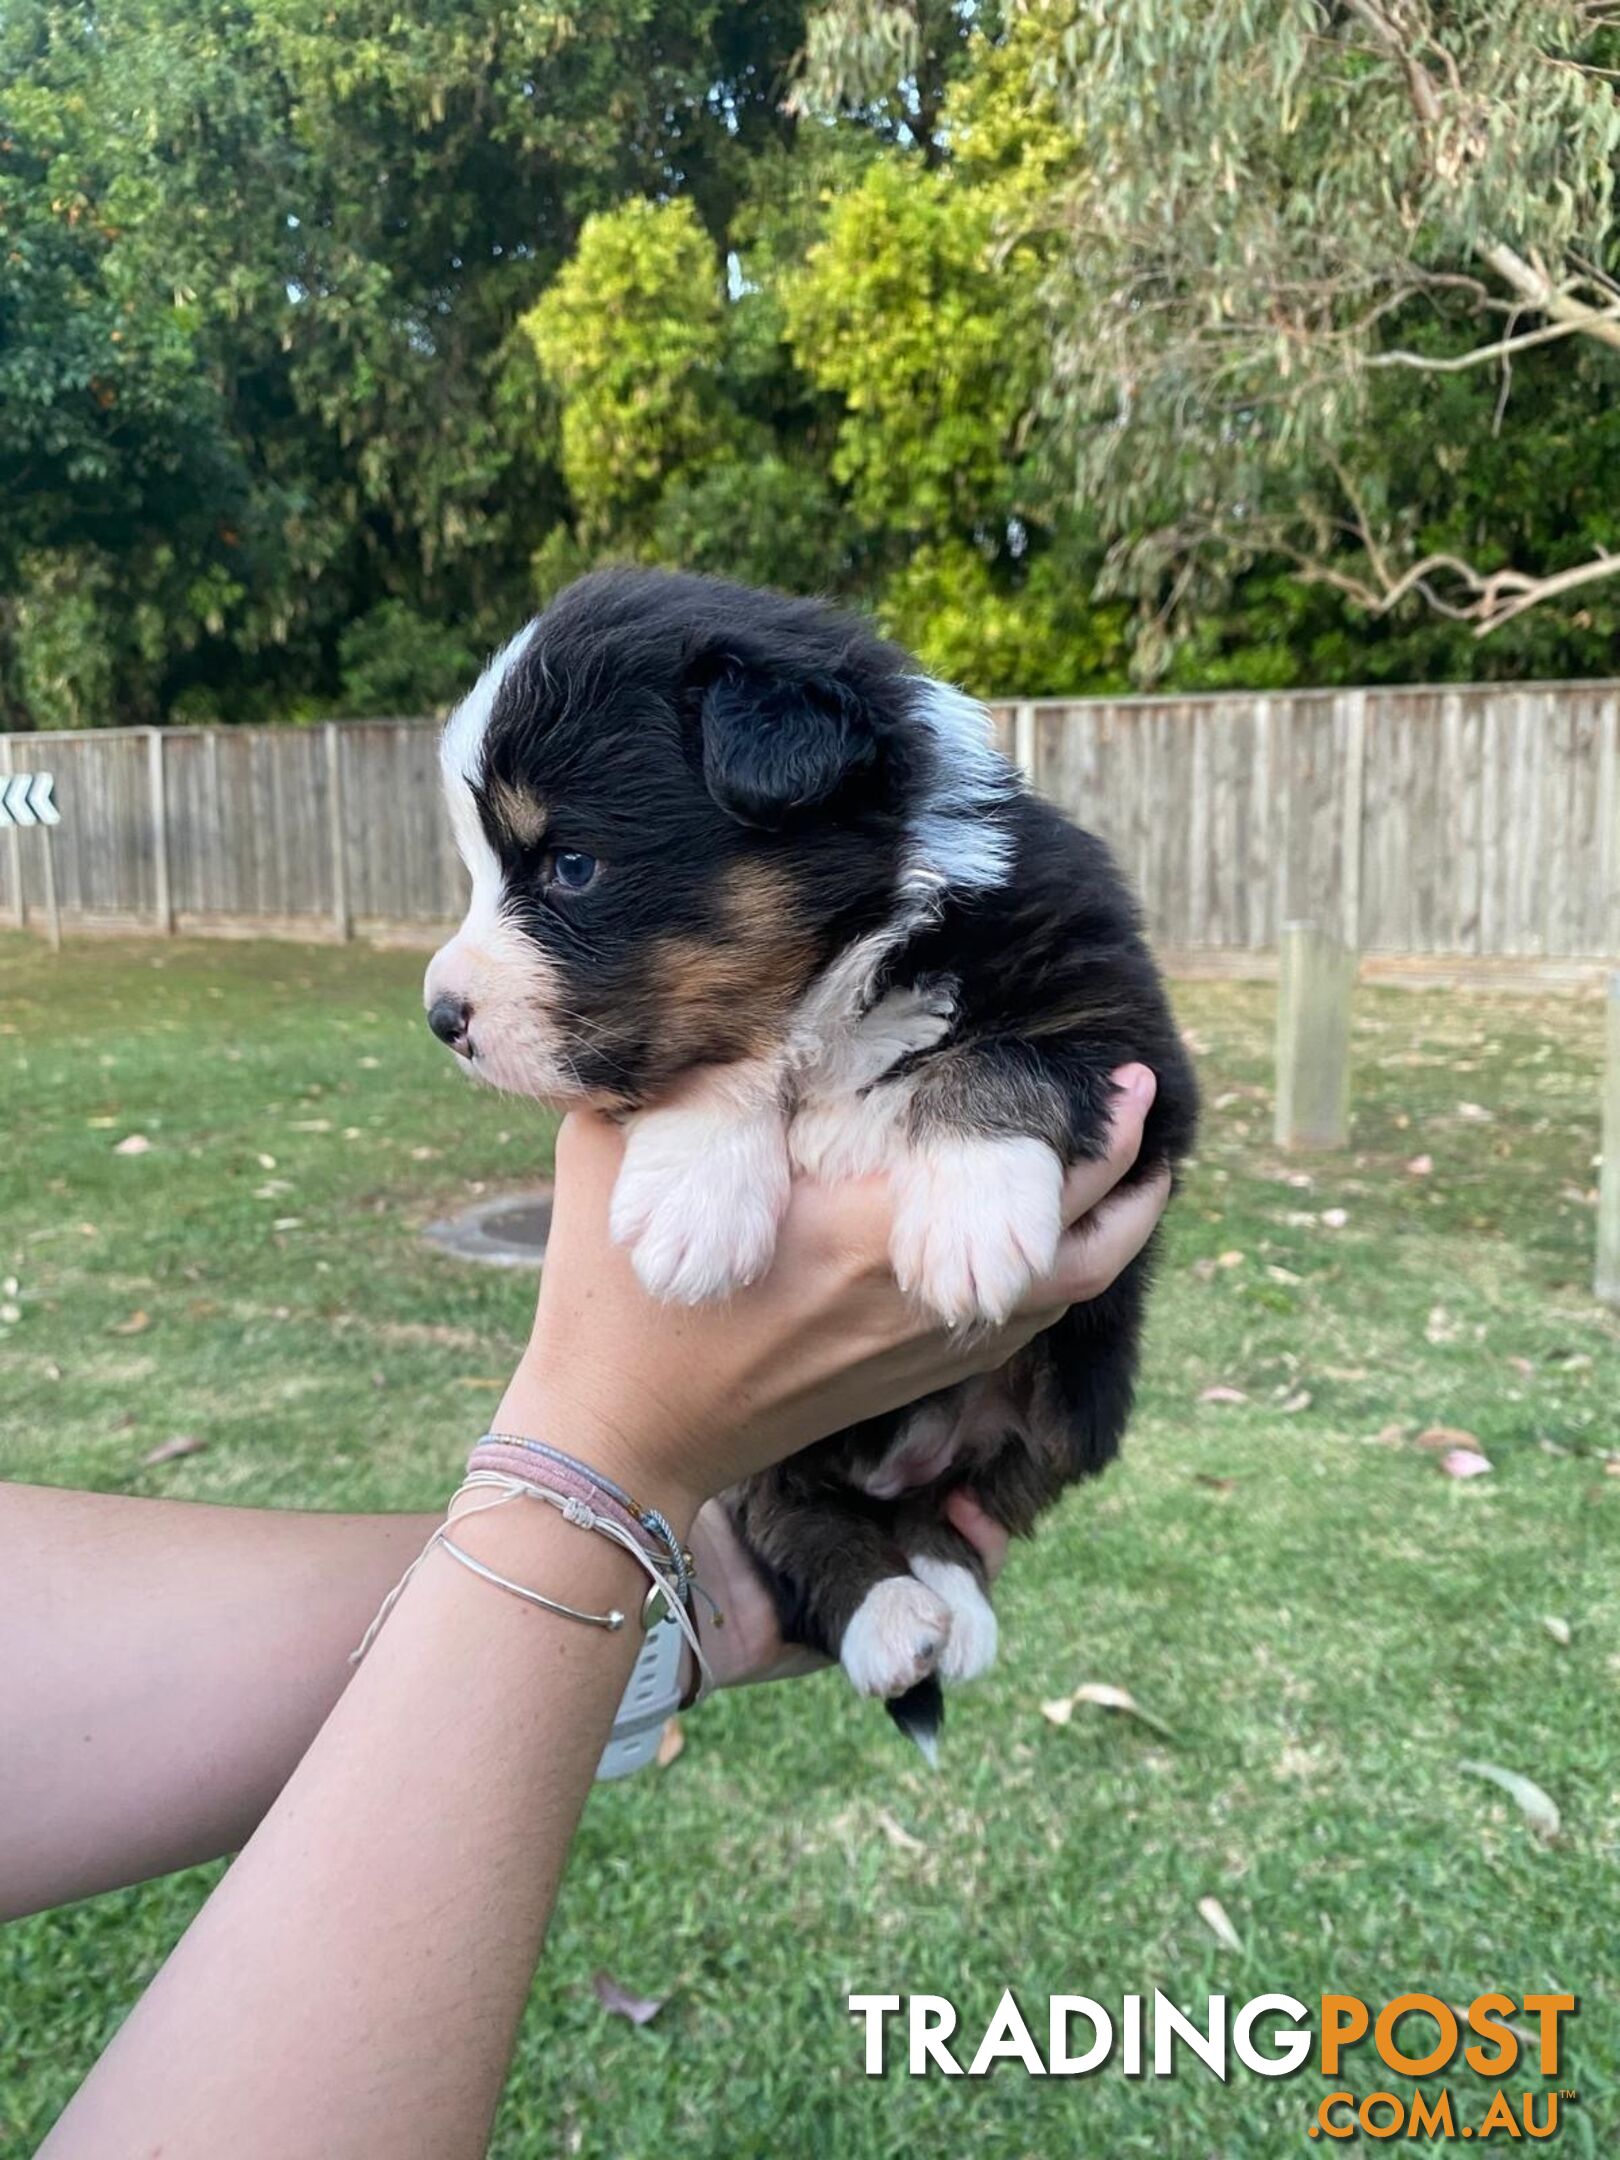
(1037, 636)
(928, 341)
(630, 336)
(395, 661)
(331, 338)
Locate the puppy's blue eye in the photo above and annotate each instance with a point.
(572, 869)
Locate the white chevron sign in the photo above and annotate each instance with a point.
(25, 799)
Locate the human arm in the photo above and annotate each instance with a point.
(354, 1983)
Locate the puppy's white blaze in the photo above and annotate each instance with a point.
(954, 830)
(896, 1638)
(971, 1649)
(847, 1125)
(976, 1220)
(702, 1189)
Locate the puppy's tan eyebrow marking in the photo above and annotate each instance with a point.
(519, 814)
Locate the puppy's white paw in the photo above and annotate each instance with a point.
(976, 1220)
(971, 1647)
(699, 1197)
(896, 1638)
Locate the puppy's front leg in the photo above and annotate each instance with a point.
(704, 1183)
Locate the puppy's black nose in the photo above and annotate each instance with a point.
(449, 1018)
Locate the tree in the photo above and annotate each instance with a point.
(1282, 208)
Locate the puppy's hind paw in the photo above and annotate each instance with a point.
(896, 1638)
(971, 1649)
(977, 1220)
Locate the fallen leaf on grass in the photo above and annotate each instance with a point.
(1222, 1393)
(619, 2002)
(1473, 1113)
(898, 1836)
(10, 1313)
(1335, 1218)
(1211, 1483)
(471, 1380)
(136, 1144)
(1229, 1259)
(1446, 1436)
(1102, 1695)
(1540, 1810)
(1558, 1629)
(183, 1443)
(670, 1743)
(1420, 1166)
(1292, 1404)
(1214, 1916)
(136, 1324)
(1462, 1462)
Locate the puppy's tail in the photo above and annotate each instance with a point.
(919, 1713)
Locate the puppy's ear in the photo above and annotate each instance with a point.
(777, 747)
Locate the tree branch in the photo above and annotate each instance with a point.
(1458, 362)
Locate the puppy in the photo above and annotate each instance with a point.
(744, 876)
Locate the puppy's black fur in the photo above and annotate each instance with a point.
(747, 776)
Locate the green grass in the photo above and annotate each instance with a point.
(1327, 1623)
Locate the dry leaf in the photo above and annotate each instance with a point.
(183, 1443)
(899, 1837)
(1523, 1367)
(1446, 1436)
(9, 1313)
(472, 1381)
(1463, 1462)
(670, 1743)
(1558, 1629)
(1540, 1810)
(1229, 1259)
(1213, 1914)
(1104, 1696)
(1223, 1394)
(136, 1144)
(1282, 1274)
(1222, 1485)
(136, 1324)
(1059, 1710)
(1473, 1113)
(639, 2009)
(1335, 1218)
(265, 1162)
(1420, 1166)
(1299, 1400)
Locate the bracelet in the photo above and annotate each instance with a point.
(516, 1469)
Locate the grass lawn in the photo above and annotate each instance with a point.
(1327, 1624)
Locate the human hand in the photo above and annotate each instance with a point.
(677, 1402)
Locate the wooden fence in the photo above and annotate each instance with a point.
(1473, 821)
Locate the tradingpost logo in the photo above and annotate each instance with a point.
(1387, 2046)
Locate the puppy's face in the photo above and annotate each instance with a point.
(670, 825)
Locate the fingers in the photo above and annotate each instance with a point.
(1100, 1248)
(1089, 1182)
(988, 1539)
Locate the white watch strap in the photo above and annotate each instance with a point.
(651, 1698)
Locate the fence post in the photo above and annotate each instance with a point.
(1606, 1282)
(162, 906)
(13, 844)
(1313, 1038)
(342, 920)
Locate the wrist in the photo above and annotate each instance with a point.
(636, 1449)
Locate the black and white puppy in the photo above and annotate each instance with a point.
(743, 875)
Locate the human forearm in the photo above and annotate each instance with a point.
(390, 1908)
(166, 1666)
